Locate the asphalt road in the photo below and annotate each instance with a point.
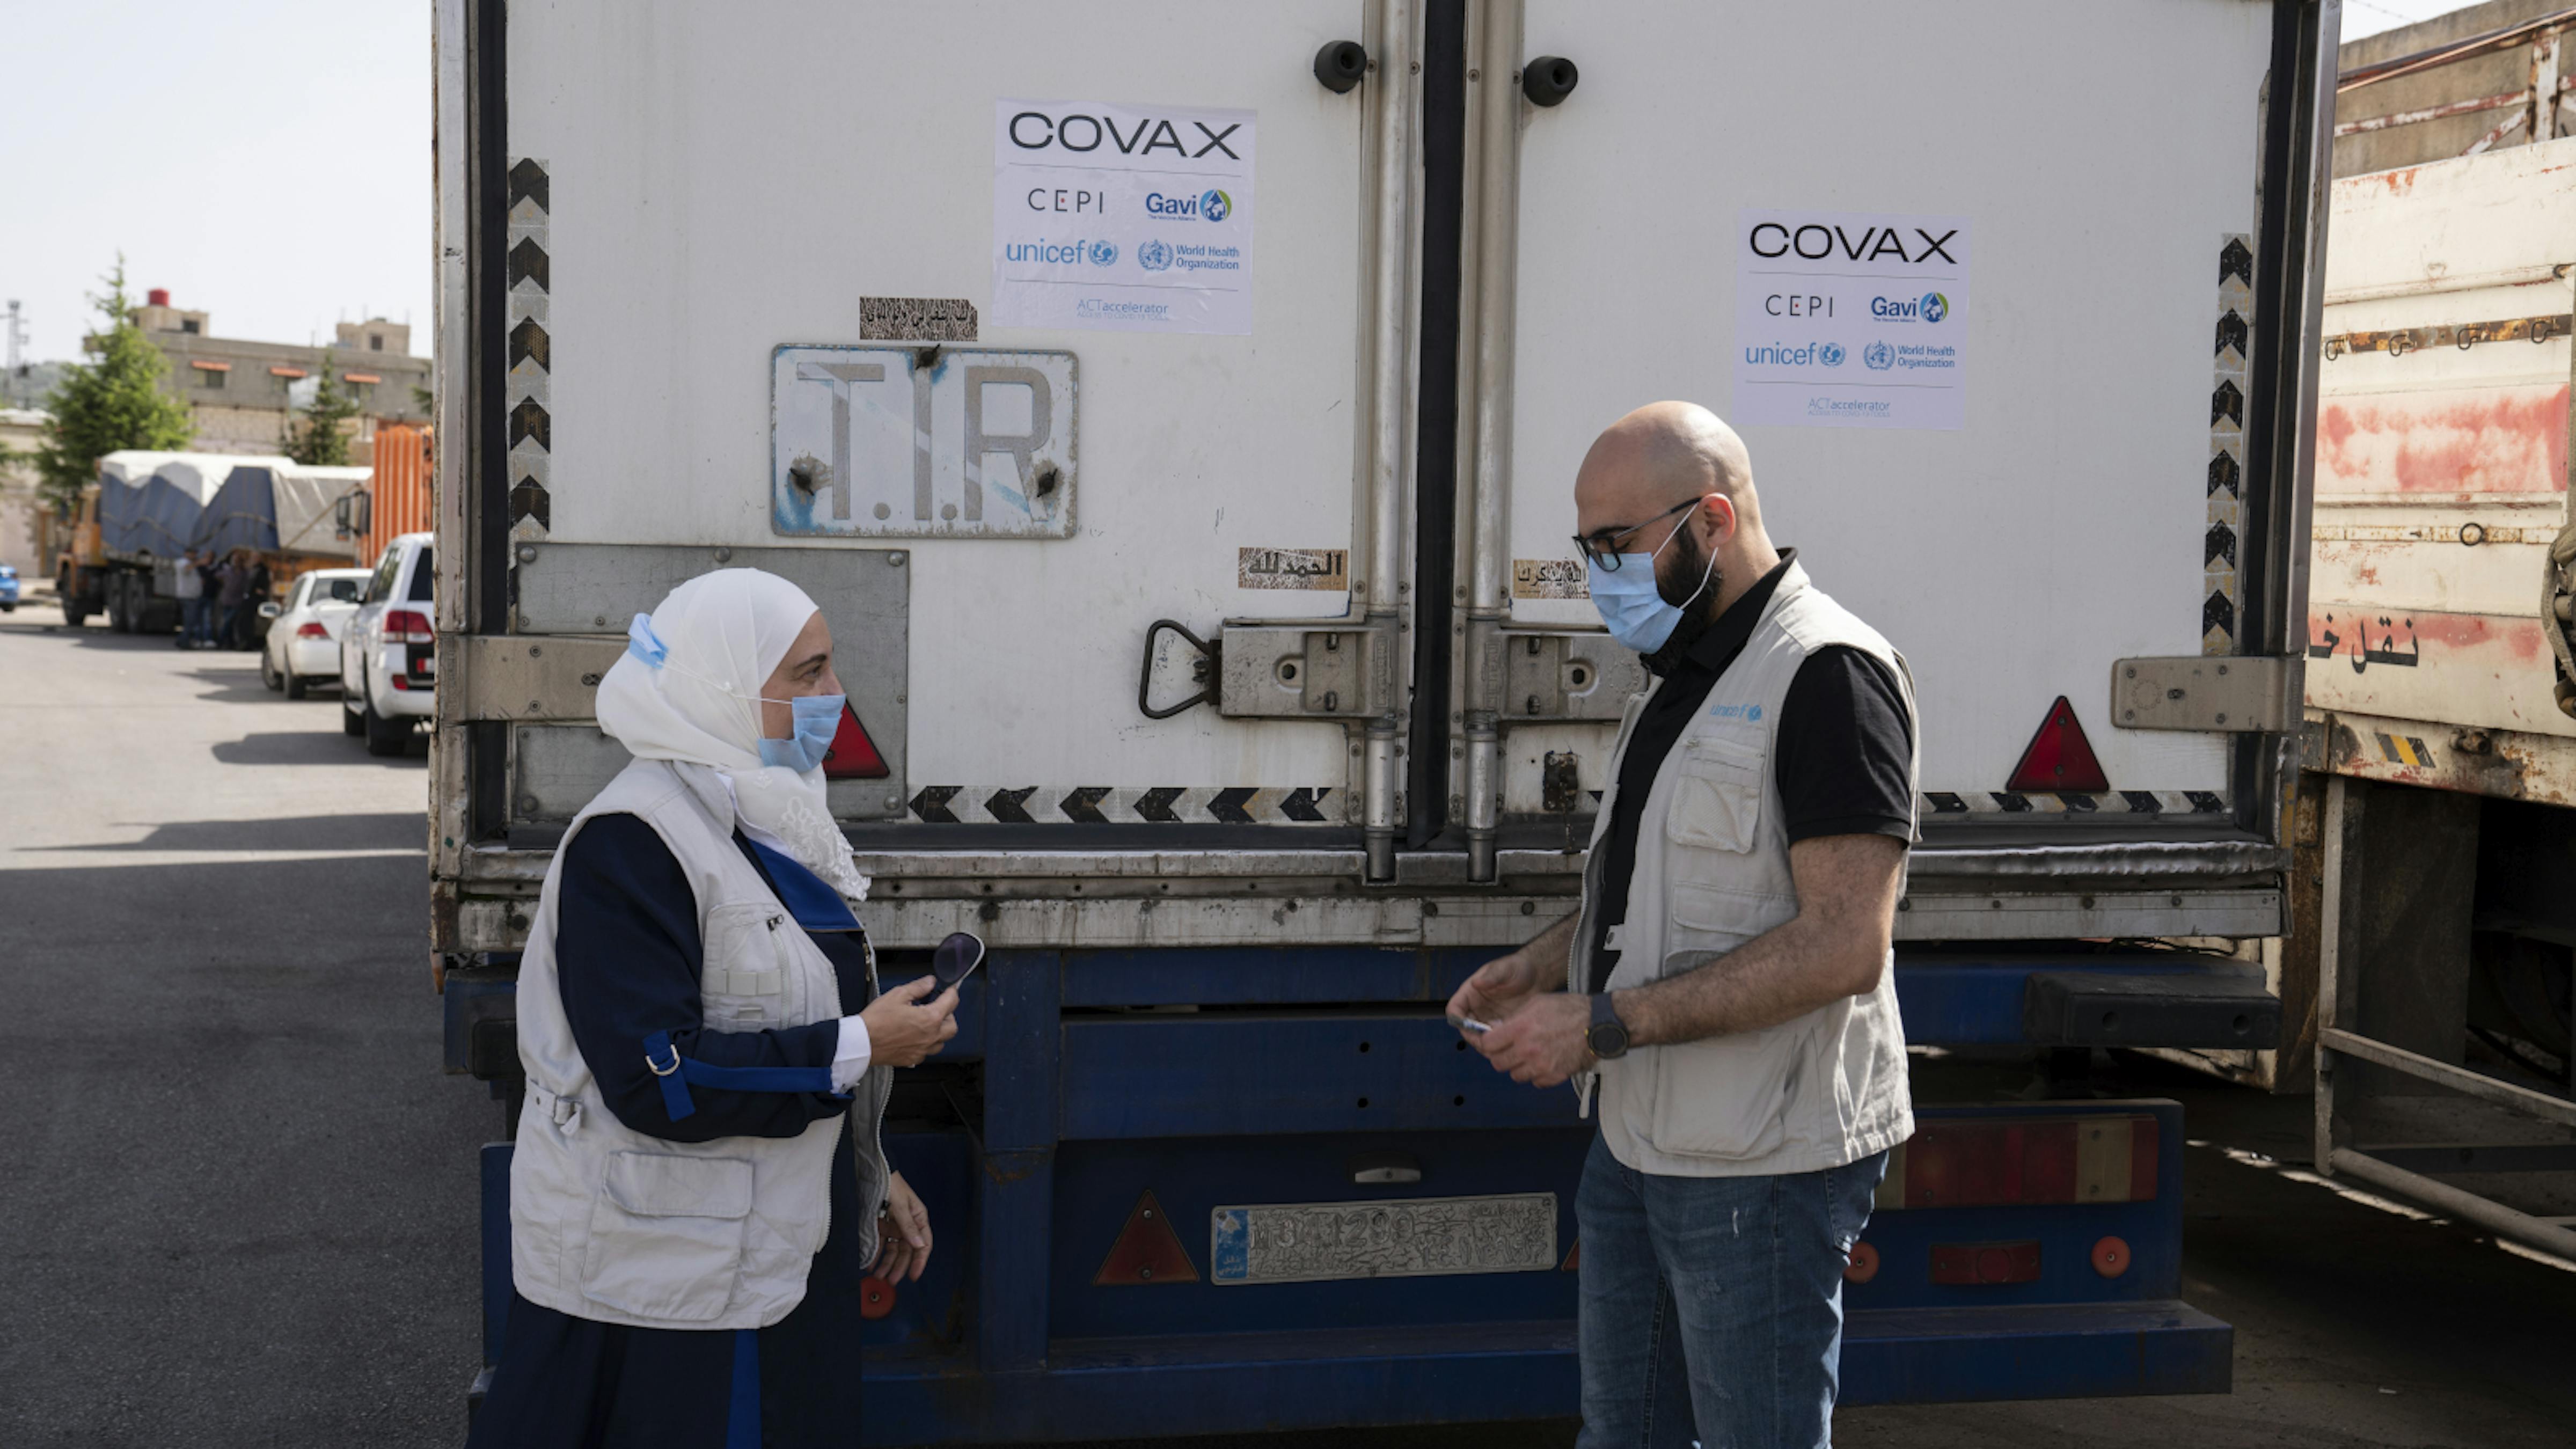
(241, 1201)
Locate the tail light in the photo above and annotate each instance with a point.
(1973, 1263)
(309, 629)
(407, 626)
(1993, 1163)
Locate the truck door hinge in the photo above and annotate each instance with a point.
(516, 677)
(1307, 669)
(1551, 676)
(2212, 693)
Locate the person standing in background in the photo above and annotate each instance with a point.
(191, 587)
(234, 597)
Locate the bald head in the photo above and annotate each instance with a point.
(1657, 456)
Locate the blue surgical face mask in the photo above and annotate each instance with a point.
(818, 719)
(1632, 604)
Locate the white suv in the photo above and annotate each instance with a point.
(388, 670)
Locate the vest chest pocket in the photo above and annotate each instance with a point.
(744, 983)
(1717, 795)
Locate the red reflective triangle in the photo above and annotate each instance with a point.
(2060, 759)
(1147, 1251)
(853, 756)
(1573, 1258)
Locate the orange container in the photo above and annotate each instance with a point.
(401, 487)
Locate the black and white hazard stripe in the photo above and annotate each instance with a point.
(1954, 803)
(1325, 805)
(527, 411)
(1126, 805)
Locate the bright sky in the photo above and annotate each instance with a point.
(2369, 17)
(266, 160)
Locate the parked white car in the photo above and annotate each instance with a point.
(303, 644)
(388, 670)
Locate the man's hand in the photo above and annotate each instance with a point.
(1543, 1042)
(1497, 990)
(903, 1233)
(902, 1032)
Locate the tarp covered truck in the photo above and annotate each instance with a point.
(1174, 412)
(148, 509)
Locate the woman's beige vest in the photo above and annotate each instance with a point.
(609, 1224)
(1819, 1091)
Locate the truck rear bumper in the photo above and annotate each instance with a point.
(1312, 1379)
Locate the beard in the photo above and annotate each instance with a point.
(1691, 585)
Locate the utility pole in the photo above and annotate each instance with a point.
(17, 340)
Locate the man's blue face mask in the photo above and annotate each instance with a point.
(1632, 605)
(818, 718)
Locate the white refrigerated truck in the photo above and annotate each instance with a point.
(1174, 411)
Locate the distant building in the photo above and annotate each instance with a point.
(244, 392)
(23, 534)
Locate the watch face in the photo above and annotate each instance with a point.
(1608, 1039)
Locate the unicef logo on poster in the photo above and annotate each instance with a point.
(1104, 253)
(1935, 306)
(1878, 357)
(1215, 205)
(1830, 354)
(1154, 255)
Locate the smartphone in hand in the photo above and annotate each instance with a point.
(955, 959)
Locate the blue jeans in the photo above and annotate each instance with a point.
(192, 620)
(1712, 1307)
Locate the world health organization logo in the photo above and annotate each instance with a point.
(1153, 255)
(1215, 205)
(1935, 306)
(1878, 357)
(1104, 253)
(1830, 354)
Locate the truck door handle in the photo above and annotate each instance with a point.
(1203, 671)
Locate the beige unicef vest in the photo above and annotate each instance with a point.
(1713, 873)
(609, 1224)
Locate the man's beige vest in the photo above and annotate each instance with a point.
(1713, 873)
(609, 1224)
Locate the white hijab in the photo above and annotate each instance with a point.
(687, 690)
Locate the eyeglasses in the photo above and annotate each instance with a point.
(1601, 546)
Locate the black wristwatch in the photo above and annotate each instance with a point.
(1607, 1036)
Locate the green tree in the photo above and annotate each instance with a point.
(110, 403)
(321, 438)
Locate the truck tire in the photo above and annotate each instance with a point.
(386, 737)
(75, 615)
(350, 721)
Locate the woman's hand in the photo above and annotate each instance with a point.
(903, 1233)
(902, 1031)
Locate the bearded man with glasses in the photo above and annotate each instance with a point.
(1723, 996)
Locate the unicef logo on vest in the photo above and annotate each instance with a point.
(1878, 356)
(1935, 306)
(1104, 253)
(1215, 205)
(1749, 713)
(1154, 255)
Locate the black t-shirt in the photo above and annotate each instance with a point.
(1842, 754)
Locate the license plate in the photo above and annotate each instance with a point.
(1418, 1237)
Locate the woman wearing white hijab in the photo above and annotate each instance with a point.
(698, 1190)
